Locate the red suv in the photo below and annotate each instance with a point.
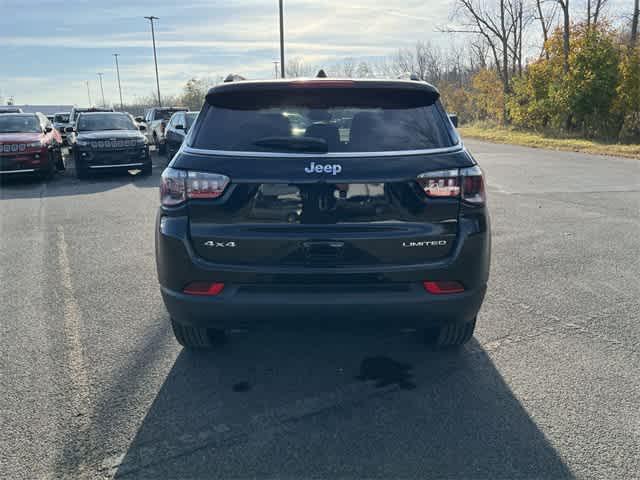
(29, 144)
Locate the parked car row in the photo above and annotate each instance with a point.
(98, 139)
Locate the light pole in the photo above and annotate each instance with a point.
(276, 67)
(104, 104)
(281, 42)
(119, 86)
(155, 58)
(88, 92)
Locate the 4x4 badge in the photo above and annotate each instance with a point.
(212, 244)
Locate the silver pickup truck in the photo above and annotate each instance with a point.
(156, 120)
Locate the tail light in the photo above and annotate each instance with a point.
(204, 289)
(176, 186)
(464, 183)
(442, 183)
(443, 287)
(473, 185)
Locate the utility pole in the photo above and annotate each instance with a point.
(155, 57)
(119, 86)
(88, 92)
(104, 104)
(281, 41)
(276, 66)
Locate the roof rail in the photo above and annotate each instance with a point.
(232, 77)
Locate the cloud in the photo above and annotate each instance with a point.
(63, 47)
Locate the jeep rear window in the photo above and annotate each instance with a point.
(323, 120)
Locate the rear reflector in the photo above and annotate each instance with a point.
(443, 287)
(204, 288)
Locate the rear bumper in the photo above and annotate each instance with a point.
(392, 295)
(242, 307)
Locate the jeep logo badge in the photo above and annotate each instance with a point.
(319, 168)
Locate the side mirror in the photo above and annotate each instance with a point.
(454, 119)
(48, 129)
(179, 127)
(142, 128)
(68, 129)
(139, 119)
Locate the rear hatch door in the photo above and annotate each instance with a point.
(325, 176)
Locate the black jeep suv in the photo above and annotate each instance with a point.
(108, 140)
(372, 211)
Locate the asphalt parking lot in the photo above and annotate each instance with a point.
(94, 385)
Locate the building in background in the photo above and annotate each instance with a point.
(45, 109)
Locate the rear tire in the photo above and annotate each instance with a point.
(194, 338)
(452, 334)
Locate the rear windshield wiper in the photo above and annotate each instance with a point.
(294, 144)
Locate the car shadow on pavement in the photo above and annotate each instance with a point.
(347, 404)
(66, 184)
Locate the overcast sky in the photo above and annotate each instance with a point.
(48, 48)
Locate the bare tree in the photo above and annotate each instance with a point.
(519, 17)
(564, 6)
(346, 68)
(296, 67)
(546, 16)
(634, 24)
(424, 60)
(501, 28)
(593, 14)
(479, 54)
(364, 70)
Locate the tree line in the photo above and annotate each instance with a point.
(543, 65)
